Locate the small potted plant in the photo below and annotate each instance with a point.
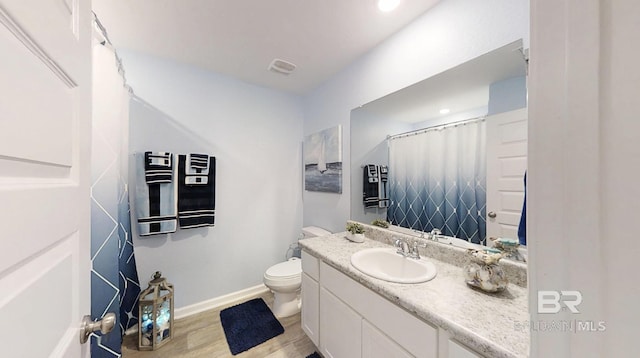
(380, 223)
(356, 232)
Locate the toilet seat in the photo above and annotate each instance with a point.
(285, 270)
(285, 276)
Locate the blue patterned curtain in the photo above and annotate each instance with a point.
(438, 181)
(129, 282)
(114, 279)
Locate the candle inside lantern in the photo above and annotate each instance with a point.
(156, 314)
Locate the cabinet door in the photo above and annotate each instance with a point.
(340, 328)
(310, 308)
(415, 336)
(377, 345)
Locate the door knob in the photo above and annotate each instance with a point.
(105, 325)
(492, 214)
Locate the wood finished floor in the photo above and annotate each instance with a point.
(202, 336)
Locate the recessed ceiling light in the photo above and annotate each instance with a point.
(388, 5)
(445, 111)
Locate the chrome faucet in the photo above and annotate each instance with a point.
(433, 235)
(415, 253)
(402, 248)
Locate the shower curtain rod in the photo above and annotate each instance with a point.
(436, 127)
(103, 31)
(107, 43)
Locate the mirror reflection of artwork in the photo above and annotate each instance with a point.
(323, 161)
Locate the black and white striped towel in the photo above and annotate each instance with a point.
(197, 169)
(198, 161)
(196, 203)
(158, 167)
(155, 193)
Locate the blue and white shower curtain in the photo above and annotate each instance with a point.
(438, 181)
(114, 279)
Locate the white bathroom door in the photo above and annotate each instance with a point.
(45, 133)
(506, 165)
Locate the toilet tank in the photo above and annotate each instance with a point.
(314, 231)
(307, 232)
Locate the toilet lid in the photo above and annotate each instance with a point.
(285, 269)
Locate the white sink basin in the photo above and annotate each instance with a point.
(386, 264)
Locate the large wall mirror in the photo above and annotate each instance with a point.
(452, 149)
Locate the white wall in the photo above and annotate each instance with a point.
(255, 133)
(583, 196)
(620, 135)
(449, 34)
(507, 95)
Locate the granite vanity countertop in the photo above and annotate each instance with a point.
(494, 325)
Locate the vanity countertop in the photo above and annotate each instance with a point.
(494, 325)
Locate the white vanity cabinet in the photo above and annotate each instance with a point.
(376, 344)
(449, 348)
(345, 319)
(340, 328)
(310, 295)
(405, 331)
(456, 350)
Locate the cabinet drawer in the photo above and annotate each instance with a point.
(456, 350)
(418, 337)
(310, 265)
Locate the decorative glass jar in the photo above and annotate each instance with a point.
(484, 271)
(155, 324)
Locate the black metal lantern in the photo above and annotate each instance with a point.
(155, 323)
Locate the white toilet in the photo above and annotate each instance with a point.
(284, 280)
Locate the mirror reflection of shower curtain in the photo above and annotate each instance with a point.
(438, 181)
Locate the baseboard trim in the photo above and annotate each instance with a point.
(213, 303)
(216, 302)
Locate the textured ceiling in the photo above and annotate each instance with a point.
(241, 37)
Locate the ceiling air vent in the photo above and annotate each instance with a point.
(282, 67)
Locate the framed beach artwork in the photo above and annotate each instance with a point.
(323, 161)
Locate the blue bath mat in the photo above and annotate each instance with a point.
(248, 324)
(314, 355)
